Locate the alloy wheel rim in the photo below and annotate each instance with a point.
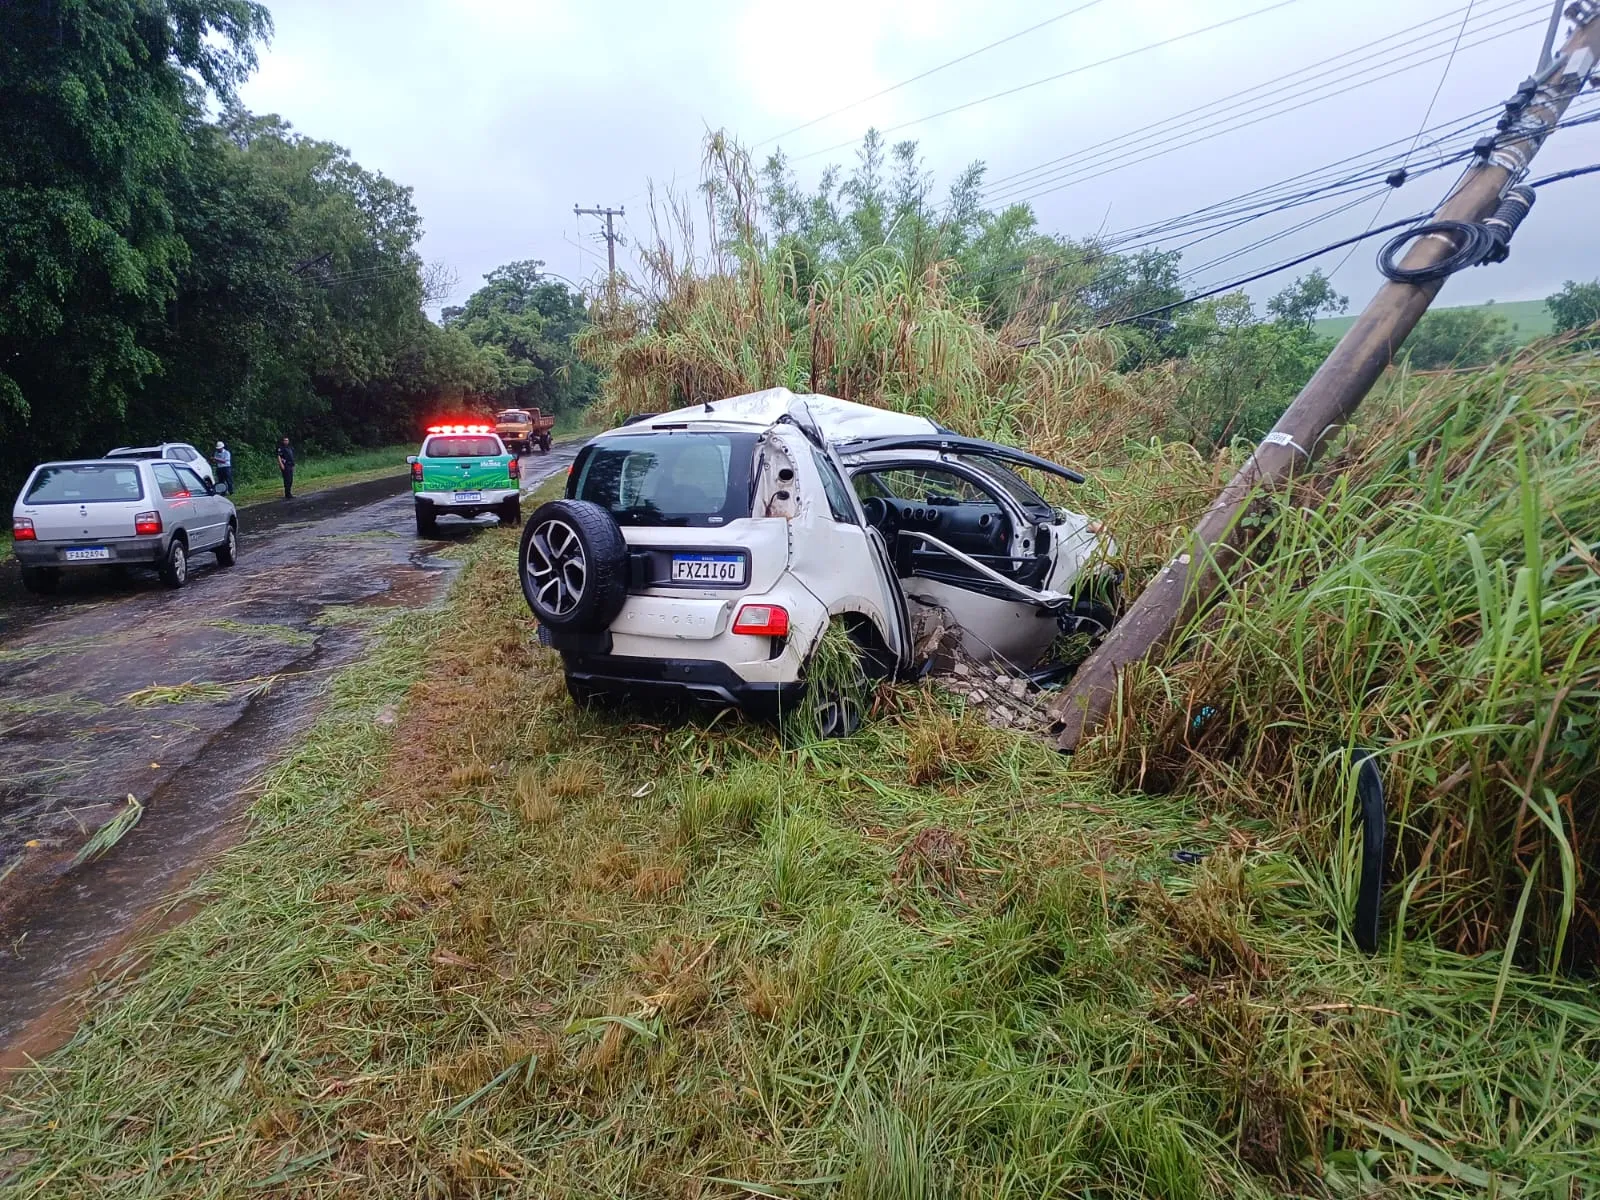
(838, 717)
(180, 563)
(557, 569)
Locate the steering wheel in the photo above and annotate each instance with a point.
(876, 510)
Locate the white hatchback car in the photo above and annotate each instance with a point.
(701, 554)
(181, 452)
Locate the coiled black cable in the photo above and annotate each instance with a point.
(1475, 241)
(1473, 244)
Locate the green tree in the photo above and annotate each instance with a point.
(1307, 298)
(887, 207)
(1243, 372)
(525, 323)
(1458, 337)
(95, 98)
(1576, 306)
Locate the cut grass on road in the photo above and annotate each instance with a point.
(509, 947)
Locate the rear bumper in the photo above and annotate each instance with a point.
(144, 550)
(682, 680)
(445, 502)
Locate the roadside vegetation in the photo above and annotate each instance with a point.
(258, 479)
(1430, 593)
(512, 947)
(178, 268)
(483, 942)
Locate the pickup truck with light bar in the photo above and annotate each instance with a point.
(703, 554)
(463, 469)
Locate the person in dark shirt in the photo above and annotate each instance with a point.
(286, 467)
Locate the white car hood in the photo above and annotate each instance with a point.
(839, 420)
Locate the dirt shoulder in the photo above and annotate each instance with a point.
(480, 940)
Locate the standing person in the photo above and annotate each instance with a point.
(223, 458)
(286, 467)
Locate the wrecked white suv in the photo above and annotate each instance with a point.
(702, 554)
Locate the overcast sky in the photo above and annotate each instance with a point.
(502, 114)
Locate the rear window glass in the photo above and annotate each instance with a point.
(84, 484)
(462, 445)
(668, 478)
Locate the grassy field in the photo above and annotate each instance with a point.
(1529, 319)
(507, 947)
(314, 473)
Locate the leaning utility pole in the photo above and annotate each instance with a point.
(1325, 404)
(611, 241)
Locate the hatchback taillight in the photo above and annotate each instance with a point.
(22, 530)
(147, 524)
(771, 620)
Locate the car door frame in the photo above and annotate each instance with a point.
(1009, 597)
(891, 598)
(212, 509)
(949, 443)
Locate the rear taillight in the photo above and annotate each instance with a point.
(516, 469)
(416, 472)
(147, 524)
(769, 620)
(22, 530)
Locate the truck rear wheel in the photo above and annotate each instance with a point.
(427, 520)
(510, 511)
(544, 443)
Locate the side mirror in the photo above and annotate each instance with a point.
(411, 460)
(211, 488)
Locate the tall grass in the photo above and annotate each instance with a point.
(1434, 594)
(1429, 592)
(525, 949)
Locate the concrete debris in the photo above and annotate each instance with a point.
(1006, 700)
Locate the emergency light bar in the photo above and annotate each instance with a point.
(461, 429)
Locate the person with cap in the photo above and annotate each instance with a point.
(222, 457)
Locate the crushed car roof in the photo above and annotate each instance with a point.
(838, 420)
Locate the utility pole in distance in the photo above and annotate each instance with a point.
(611, 240)
(1336, 390)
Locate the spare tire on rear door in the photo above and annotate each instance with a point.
(574, 566)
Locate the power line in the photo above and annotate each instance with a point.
(1060, 75)
(1236, 284)
(1293, 79)
(1427, 113)
(1171, 225)
(1276, 268)
(1362, 165)
(1061, 16)
(1567, 123)
(1179, 138)
(1225, 215)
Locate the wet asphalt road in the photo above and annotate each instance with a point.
(118, 686)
